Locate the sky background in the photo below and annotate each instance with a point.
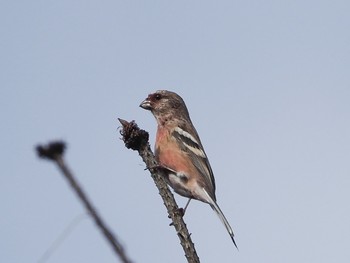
(267, 84)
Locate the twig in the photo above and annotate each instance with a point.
(60, 239)
(137, 139)
(54, 152)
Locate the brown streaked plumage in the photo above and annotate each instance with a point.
(180, 153)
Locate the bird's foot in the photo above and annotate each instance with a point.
(180, 212)
(155, 167)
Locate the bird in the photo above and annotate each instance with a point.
(180, 153)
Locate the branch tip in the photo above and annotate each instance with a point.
(133, 137)
(51, 150)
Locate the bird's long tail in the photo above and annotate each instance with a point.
(223, 219)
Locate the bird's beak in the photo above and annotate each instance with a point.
(146, 104)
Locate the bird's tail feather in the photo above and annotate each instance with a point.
(223, 219)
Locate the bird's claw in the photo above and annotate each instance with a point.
(180, 211)
(153, 167)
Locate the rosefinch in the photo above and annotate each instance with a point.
(180, 153)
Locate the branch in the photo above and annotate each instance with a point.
(54, 152)
(137, 139)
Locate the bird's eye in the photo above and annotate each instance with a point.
(158, 97)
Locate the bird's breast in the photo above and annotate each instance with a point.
(169, 154)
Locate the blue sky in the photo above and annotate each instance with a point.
(267, 85)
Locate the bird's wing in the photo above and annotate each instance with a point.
(191, 144)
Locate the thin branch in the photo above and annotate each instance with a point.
(61, 238)
(54, 152)
(137, 139)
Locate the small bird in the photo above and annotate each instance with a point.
(179, 151)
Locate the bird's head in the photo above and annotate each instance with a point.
(164, 103)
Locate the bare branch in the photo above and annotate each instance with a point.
(137, 139)
(54, 151)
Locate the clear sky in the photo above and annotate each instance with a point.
(267, 84)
